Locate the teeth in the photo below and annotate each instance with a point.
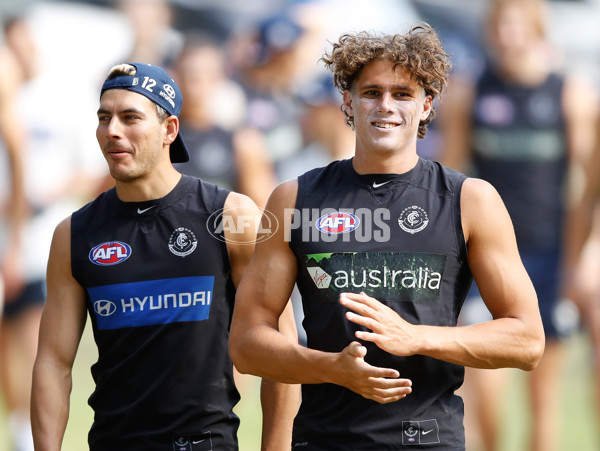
(384, 125)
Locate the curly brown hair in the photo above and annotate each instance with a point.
(420, 51)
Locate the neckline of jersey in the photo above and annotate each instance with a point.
(370, 179)
(153, 206)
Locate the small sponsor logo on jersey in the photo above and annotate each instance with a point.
(196, 442)
(413, 219)
(182, 242)
(337, 222)
(319, 277)
(421, 432)
(181, 441)
(110, 253)
(104, 307)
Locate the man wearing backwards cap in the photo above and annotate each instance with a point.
(153, 263)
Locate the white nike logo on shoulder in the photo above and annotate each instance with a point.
(427, 432)
(144, 210)
(377, 185)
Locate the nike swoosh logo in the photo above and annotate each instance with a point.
(194, 442)
(377, 185)
(427, 432)
(144, 210)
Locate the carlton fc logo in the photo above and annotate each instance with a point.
(182, 242)
(105, 308)
(413, 219)
(337, 222)
(110, 253)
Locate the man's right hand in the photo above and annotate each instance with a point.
(383, 385)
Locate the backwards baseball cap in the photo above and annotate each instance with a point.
(154, 83)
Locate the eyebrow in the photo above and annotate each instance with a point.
(393, 87)
(125, 111)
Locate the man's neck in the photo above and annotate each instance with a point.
(384, 162)
(151, 187)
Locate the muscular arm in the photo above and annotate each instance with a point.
(279, 401)
(256, 174)
(514, 338)
(61, 327)
(257, 346)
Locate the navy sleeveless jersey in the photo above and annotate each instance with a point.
(519, 146)
(399, 239)
(160, 299)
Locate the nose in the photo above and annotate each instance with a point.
(113, 127)
(385, 104)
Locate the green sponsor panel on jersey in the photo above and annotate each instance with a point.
(394, 276)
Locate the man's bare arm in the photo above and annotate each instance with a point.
(515, 336)
(62, 324)
(279, 401)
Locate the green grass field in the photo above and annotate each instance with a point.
(580, 431)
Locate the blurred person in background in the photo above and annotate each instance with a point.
(222, 151)
(155, 40)
(59, 176)
(13, 208)
(270, 64)
(526, 128)
(325, 135)
(586, 285)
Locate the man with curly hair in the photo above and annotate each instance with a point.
(383, 248)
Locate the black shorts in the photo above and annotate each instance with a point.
(32, 294)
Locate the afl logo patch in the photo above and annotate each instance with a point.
(337, 222)
(105, 308)
(110, 253)
(182, 242)
(413, 219)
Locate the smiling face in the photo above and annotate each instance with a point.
(387, 106)
(133, 138)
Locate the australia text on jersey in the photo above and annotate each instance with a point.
(404, 276)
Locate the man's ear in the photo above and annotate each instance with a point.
(171, 129)
(427, 107)
(347, 106)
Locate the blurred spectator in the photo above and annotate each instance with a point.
(221, 151)
(586, 284)
(326, 137)
(525, 127)
(61, 170)
(270, 64)
(155, 41)
(12, 194)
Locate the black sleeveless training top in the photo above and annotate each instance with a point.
(399, 239)
(160, 299)
(519, 146)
